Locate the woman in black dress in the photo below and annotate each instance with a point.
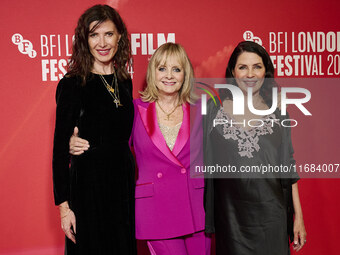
(95, 191)
(251, 213)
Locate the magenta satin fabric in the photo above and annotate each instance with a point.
(169, 203)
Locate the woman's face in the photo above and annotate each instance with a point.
(169, 76)
(249, 71)
(103, 43)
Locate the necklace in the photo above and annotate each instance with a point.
(167, 114)
(114, 92)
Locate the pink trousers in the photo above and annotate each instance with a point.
(194, 244)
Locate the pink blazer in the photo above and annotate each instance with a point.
(169, 203)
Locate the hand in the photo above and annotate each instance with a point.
(299, 234)
(68, 221)
(77, 145)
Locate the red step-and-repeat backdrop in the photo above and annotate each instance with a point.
(302, 37)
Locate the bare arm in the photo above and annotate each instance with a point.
(299, 225)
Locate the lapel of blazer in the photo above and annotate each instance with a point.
(149, 118)
(184, 131)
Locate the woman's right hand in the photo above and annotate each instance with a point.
(68, 221)
(77, 145)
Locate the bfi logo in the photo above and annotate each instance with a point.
(24, 46)
(249, 36)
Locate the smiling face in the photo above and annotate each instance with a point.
(103, 43)
(169, 76)
(249, 72)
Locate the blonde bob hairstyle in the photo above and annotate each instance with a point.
(159, 58)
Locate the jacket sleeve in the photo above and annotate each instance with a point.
(290, 155)
(288, 178)
(287, 154)
(209, 179)
(67, 113)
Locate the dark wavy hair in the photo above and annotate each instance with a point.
(81, 62)
(269, 82)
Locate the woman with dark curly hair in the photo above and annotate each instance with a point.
(95, 190)
(251, 213)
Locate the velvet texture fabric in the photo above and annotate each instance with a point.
(99, 184)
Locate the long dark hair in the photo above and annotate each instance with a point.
(269, 82)
(81, 62)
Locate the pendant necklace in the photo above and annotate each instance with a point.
(167, 114)
(114, 92)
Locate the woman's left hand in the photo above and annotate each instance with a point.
(68, 221)
(299, 234)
